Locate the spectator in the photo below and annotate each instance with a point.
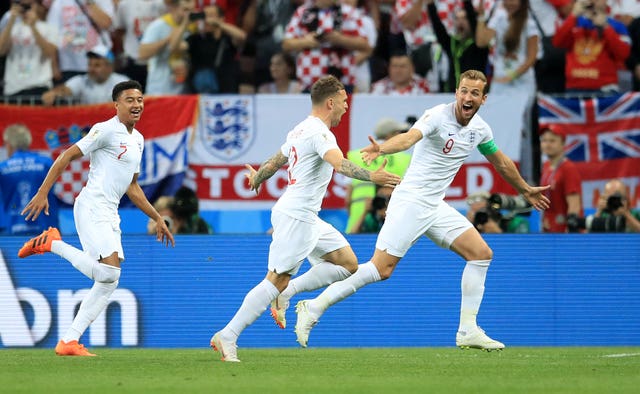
(362, 70)
(325, 36)
(283, 71)
(20, 177)
(163, 206)
(213, 51)
(561, 173)
(548, 16)
(186, 216)
(163, 46)
(614, 201)
(420, 41)
(82, 24)
(515, 50)
(29, 44)
(460, 48)
(266, 20)
(372, 221)
(516, 47)
(131, 20)
(95, 86)
(597, 45)
(402, 79)
(361, 193)
(633, 61)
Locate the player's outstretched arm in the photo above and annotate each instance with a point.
(397, 143)
(507, 169)
(351, 170)
(137, 196)
(40, 202)
(266, 170)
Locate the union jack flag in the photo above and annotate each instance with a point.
(602, 134)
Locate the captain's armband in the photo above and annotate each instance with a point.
(488, 148)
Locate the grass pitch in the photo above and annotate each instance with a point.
(367, 370)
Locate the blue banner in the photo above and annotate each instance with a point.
(541, 290)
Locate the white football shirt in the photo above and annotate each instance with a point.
(438, 156)
(115, 156)
(309, 175)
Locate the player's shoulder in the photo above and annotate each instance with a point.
(309, 127)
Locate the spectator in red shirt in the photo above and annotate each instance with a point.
(563, 176)
(597, 46)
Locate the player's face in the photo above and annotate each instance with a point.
(469, 97)
(129, 106)
(339, 107)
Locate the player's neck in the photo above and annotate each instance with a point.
(325, 117)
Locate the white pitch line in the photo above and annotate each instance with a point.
(618, 355)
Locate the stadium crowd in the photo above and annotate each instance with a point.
(73, 51)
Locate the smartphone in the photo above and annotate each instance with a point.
(194, 16)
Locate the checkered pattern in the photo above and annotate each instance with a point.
(72, 180)
(423, 31)
(417, 86)
(311, 64)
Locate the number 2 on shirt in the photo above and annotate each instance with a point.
(293, 159)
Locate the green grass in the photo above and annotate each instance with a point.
(380, 370)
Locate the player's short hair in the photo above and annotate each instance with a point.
(18, 136)
(122, 86)
(475, 75)
(324, 88)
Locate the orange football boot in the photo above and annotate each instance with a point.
(41, 243)
(72, 348)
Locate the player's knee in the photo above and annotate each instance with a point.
(351, 265)
(107, 274)
(484, 253)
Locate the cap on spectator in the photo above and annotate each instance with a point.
(101, 51)
(387, 126)
(552, 130)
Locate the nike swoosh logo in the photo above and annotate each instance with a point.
(450, 134)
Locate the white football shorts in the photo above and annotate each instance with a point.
(294, 240)
(406, 221)
(100, 236)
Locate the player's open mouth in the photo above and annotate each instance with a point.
(136, 112)
(467, 107)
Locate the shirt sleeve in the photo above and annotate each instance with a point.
(323, 142)
(427, 123)
(94, 140)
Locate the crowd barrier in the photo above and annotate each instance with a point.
(541, 290)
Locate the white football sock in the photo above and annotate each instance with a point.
(84, 263)
(473, 277)
(93, 304)
(367, 273)
(253, 305)
(318, 276)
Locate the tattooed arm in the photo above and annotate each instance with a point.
(347, 168)
(266, 170)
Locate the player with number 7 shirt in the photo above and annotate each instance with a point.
(312, 154)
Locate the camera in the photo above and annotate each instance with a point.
(482, 216)
(504, 201)
(614, 202)
(605, 224)
(194, 16)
